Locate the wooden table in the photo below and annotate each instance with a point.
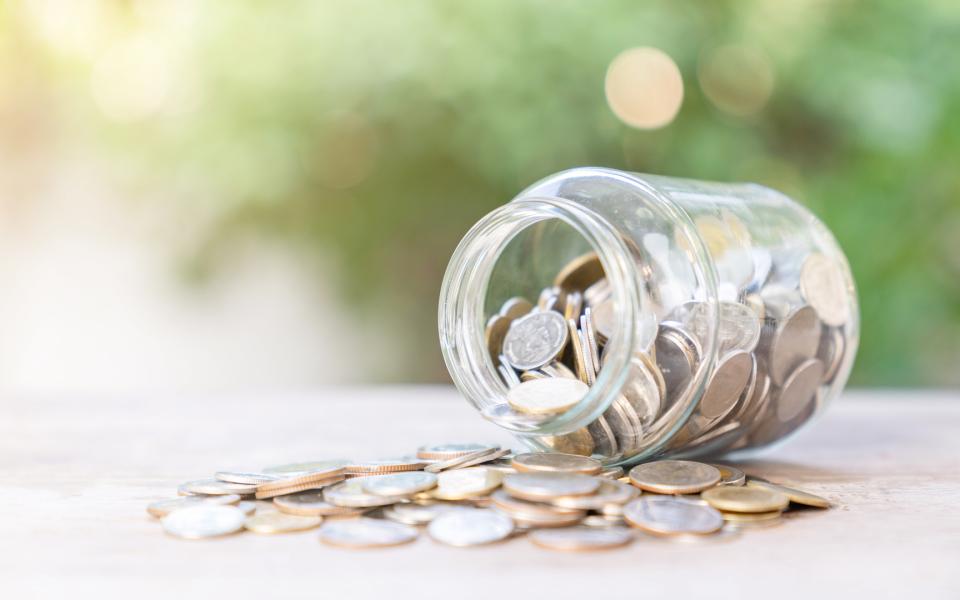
(77, 474)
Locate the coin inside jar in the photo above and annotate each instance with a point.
(674, 476)
(535, 340)
(555, 462)
(546, 396)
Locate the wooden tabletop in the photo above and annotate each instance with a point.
(77, 474)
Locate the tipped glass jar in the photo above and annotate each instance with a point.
(628, 316)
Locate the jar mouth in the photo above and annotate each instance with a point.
(464, 290)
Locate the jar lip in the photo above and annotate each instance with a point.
(462, 296)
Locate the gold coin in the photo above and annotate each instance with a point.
(745, 499)
(493, 335)
(556, 462)
(278, 522)
(515, 307)
(578, 442)
(739, 517)
(795, 495)
(731, 475)
(580, 273)
(674, 476)
(386, 465)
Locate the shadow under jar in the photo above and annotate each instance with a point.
(628, 316)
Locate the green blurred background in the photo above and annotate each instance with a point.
(367, 136)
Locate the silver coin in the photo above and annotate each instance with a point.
(467, 460)
(625, 424)
(543, 486)
(302, 468)
(726, 385)
(215, 487)
(642, 390)
(737, 327)
(465, 484)
(204, 521)
(546, 396)
(582, 538)
(503, 413)
(824, 286)
(556, 462)
(494, 333)
(557, 369)
(667, 515)
(590, 337)
(399, 484)
(831, 351)
(245, 478)
(162, 508)
(366, 533)
(447, 451)
(413, 513)
(780, 300)
(350, 493)
(311, 503)
(678, 355)
(796, 341)
(604, 441)
(609, 492)
(535, 340)
(470, 527)
(762, 264)
(800, 390)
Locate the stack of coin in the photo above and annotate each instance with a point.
(561, 501)
(779, 331)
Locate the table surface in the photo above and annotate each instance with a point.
(77, 474)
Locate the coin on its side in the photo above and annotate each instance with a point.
(535, 340)
(544, 486)
(366, 533)
(204, 521)
(214, 487)
(494, 333)
(670, 515)
(279, 522)
(799, 390)
(470, 527)
(516, 307)
(556, 462)
(674, 476)
(302, 468)
(578, 442)
(448, 451)
(796, 496)
(580, 273)
(582, 538)
(745, 499)
(385, 465)
(399, 484)
(245, 477)
(546, 396)
(312, 504)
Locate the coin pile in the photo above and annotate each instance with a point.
(474, 494)
(779, 339)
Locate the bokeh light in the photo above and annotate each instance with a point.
(737, 78)
(644, 88)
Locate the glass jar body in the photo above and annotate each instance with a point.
(703, 317)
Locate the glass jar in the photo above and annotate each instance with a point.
(701, 318)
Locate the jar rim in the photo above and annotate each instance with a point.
(463, 294)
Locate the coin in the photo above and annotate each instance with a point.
(399, 484)
(624, 423)
(668, 515)
(321, 476)
(556, 462)
(470, 527)
(674, 476)
(745, 499)
(494, 333)
(366, 533)
(275, 491)
(796, 341)
(461, 484)
(546, 396)
(582, 538)
(503, 413)
(609, 493)
(737, 325)
(831, 351)
(590, 336)
(473, 458)
(730, 475)
(312, 504)
(642, 390)
(385, 465)
(678, 354)
(795, 495)
(580, 273)
(248, 507)
(543, 486)
(214, 487)
(301, 468)
(578, 442)
(279, 522)
(572, 304)
(244, 478)
(162, 508)
(824, 286)
(350, 493)
(535, 340)
(578, 352)
(448, 451)
(799, 390)
(611, 473)
(516, 307)
(726, 385)
(414, 513)
(203, 521)
(605, 442)
(736, 518)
